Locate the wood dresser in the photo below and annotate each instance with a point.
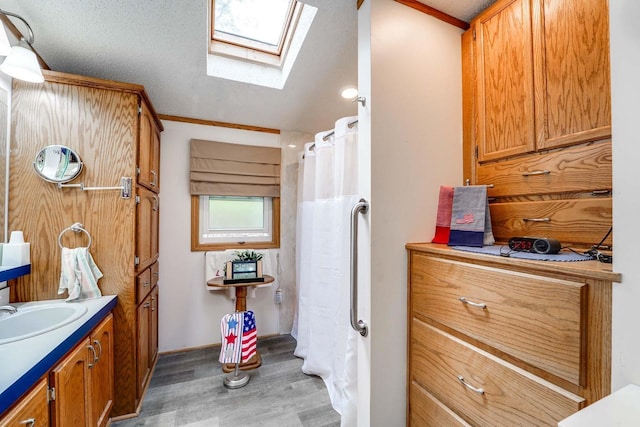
(499, 341)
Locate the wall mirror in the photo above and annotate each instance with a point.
(57, 163)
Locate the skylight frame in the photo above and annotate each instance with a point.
(252, 50)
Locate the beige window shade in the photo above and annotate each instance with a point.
(234, 169)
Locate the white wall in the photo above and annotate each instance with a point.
(625, 90)
(189, 314)
(415, 105)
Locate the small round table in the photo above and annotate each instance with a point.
(240, 379)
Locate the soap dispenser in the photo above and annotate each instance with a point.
(16, 252)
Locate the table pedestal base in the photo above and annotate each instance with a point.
(237, 380)
(253, 363)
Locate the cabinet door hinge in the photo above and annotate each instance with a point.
(476, 151)
(140, 106)
(137, 170)
(51, 394)
(137, 200)
(136, 260)
(474, 33)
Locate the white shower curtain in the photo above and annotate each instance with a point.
(327, 185)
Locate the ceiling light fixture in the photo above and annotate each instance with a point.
(21, 62)
(352, 94)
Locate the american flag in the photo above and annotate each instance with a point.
(249, 336)
(231, 331)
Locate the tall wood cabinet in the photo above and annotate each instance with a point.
(537, 117)
(498, 341)
(115, 131)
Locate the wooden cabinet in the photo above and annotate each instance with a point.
(147, 342)
(537, 118)
(572, 72)
(83, 381)
(114, 129)
(32, 410)
(149, 151)
(542, 73)
(504, 73)
(147, 228)
(498, 341)
(101, 382)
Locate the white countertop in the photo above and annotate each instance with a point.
(23, 362)
(619, 409)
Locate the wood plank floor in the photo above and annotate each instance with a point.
(186, 390)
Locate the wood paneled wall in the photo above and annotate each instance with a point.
(101, 125)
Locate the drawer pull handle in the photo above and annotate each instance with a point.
(29, 422)
(537, 219)
(473, 304)
(469, 386)
(600, 192)
(532, 173)
(145, 284)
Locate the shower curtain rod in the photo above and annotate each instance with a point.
(350, 125)
(327, 136)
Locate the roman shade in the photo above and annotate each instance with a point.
(223, 169)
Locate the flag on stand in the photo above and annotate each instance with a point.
(231, 342)
(249, 336)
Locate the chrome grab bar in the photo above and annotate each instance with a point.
(359, 325)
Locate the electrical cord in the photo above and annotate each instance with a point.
(595, 253)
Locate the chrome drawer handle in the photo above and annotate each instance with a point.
(31, 422)
(473, 304)
(532, 173)
(469, 386)
(537, 219)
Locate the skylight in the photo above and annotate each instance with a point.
(256, 24)
(256, 41)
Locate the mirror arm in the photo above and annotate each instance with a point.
(125, 187)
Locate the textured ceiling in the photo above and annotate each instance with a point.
(461, 9)
(161, 44)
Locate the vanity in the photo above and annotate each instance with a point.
(45, 377)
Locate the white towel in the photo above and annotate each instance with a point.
(79, 274)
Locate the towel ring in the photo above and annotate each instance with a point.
(77, 228)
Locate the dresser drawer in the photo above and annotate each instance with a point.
(536, 319)
(143, 284)
(505, 395)
(577, 169)
(582, 221)
(426, 411)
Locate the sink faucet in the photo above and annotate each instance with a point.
(9, 308)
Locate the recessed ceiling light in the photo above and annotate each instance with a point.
(349, 93)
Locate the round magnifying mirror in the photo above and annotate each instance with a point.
(57, 163)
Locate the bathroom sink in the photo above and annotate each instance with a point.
(35, 319)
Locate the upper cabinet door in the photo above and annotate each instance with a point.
(572, 76)
(148, 151)
(504, 69)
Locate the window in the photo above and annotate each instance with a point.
(235, 219)
(235, 196)
(226, 222)
(254, 30)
